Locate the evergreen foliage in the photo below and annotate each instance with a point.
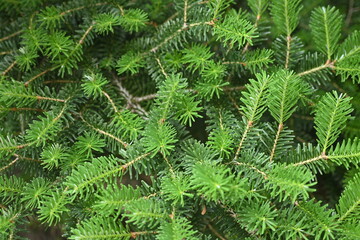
(181, 119)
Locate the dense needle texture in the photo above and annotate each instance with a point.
(180, 119)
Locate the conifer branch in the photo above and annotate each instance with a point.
(188, 7)
(247, 45)
(6, 52)
(288, 48)
(81, 8)
(341, 156)
(161, 67)
(280, 128)
(253, 100)
(14, 147)
(234, 103)
(111, 101)
(104, 132)
(27, 158)
(48, 99)
(129, 98)
(14, 109)
(38, 75)
(11, 35)
(9, 165)
(349, 211)
(247, 129)
(350, 12)
(176, 33)
(9, 68)
(185, 12)
(190, 59)
(126, 165)
(135, 234)
(323, 156)
(168, 163)
(59, 81)
(216, 233)
(251, 167)
(81, 41)
(154, 95)
(145, 98)
(326, 65)
(240, 63)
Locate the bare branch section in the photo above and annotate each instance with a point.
(11, 35)
(81, 7)
(328, 64)
(216, 233)
(110, 100)
(161, 67)
(9, 68)
(131, 104)
(154, 95)
(280, 128)
(288, 49)
(350, 13)
(14, 109)
(185, 12)
(323, 156)
(247, 129)
(10, 164)
(126, 165)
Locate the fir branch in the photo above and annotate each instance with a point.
(185, 12)
(27, 158)
(349, 202)
(161, 67)
(288, 45)
(175, 34)
(9, 68)
(216, 233)
(38, 75)
(321, 157)
(104, 132)
(168, 163)
(280, 128)
(14, 109)
(349, 13)
(254, 101)
(251, 167)
(328, 64)
(49, 99)
(128, 164)
(247, 45)
(131, 104)
(59, 81)
(6, 52)
(325, 23)
(331, 115)
(111, 101)
(284, 93)
(10, 164)
(81, 8)
(11, 35)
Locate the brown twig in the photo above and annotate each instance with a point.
(11, 35)
(9, 68)
(215, 232)
(9, 165)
